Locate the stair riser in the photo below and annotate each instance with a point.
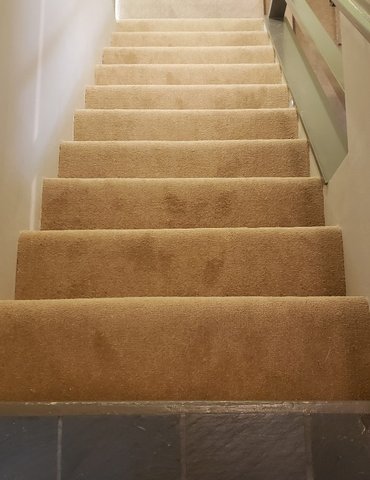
(185, 125)
(135, 204)
(188, 97)
(185, 349)
(199, 262)
(191, 39)
(271, 158)
(190, 25)
(187, 74)
(164, 55)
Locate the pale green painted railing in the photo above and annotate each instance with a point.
(312, 26)
(117, 9)
(327, 137)
(358, 13)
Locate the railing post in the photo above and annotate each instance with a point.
(277, 9)
(327, 136)
(117, 9)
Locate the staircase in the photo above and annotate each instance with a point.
(182, 252)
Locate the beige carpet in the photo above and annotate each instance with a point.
(187, 96)
(186, 39)
(191, 74)
(159, 159)
(162, 55)
(72, 204)
(185, 348)
(185, 124)
(191, 25)
(188, 262)
(183, 252)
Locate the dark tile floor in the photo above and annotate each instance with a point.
(341, 447)
(124, 447)
(253, 446)
(28, 448)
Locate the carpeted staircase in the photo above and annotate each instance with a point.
(182, 252)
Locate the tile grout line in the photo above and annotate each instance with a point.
(308, 447)
(59, 448)
(183, 445)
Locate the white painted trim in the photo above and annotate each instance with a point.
(117, 9)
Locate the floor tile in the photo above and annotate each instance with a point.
(121, 448)
(28, 448)
(248, 447)
(341, 447)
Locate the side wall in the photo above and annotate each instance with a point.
(48, 50)
(348, 193)
(190, 8)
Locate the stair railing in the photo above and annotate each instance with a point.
(358, 13)
(117, 9)
(327, 134)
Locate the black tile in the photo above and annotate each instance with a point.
(121, 447)
(341, 447)
(245, 447)
(28, 448)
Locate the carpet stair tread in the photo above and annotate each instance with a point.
(189, 24)
(188, 39)
(163, 55)
(187, 74)
(300, 261)
(185, 125)
(161, 159)
(187, 96)
(268, 349)
(79, 204)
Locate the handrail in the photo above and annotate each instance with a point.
(325, 45)
(117, 10)
(358, 13)
(312, 26)
(326, 133)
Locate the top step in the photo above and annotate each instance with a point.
(190, 25)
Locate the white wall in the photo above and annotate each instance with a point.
(348, 193)
(190, 8)
(48, 50)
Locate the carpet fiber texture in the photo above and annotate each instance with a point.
(187, 96)
(183, 252)
(191, 74)
(162, 55)
(185, 348)
(180, 262)
(160, 159)
(186, 39)
(191, 25)
(181, 203)
(185, 124)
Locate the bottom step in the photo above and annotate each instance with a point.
(235, 348)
